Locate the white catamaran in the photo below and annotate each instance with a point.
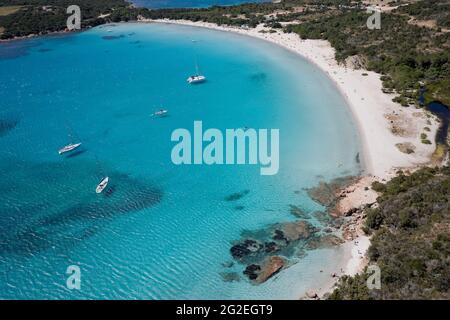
(102, 185)
(198, 77)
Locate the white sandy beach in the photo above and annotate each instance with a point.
(375, 114)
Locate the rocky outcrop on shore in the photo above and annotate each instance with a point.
(267, 251)
(268, 268)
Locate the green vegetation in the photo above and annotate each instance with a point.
(411, 239)
(44, 16)
(405, 54)
(437, 10)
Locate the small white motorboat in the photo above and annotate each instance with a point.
(160, 113)
(102, 185)
(69, 147)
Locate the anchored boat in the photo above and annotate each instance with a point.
(160, 113)
(68, 148)
(102, 185)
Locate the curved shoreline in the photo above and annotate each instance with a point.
(368, 105)
(376, 117)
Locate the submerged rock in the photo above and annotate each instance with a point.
(228, 264)
(279, 235)
(270, 247)
(323, 217)
(230, 276)
(326, 241)
(327, 193)
(293, 231)
(298, 212)
(6, 125)
(269, 268)
(236, 196)
(245, 248)
(252, 271)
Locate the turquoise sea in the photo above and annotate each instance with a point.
(160, 231)
(190, 3)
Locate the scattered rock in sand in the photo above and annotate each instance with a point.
(311, 294)
(406, 147)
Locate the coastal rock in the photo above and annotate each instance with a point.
(293, 231)
(350, 212)
(326, 241)
(328, 193)
(355, 62)
(299, 213)
(279, 235)
(323, 217)
(269, 268)
(270, 247)
(311, 294)
(252, 271)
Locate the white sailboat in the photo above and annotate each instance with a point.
(197, 77)
(102, 185)
(69, 147)
(160, 113)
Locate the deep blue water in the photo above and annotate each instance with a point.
(160, 231)
(189, 3)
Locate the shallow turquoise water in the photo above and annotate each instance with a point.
(162, 231)
(190, 3)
